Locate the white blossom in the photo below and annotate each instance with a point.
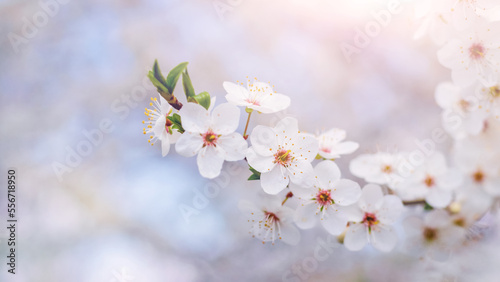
(212, 137)
(326, 200)
(282, 154)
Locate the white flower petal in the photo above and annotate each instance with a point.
(305, 216)
(286, 128)
(189, 144)
(274, 181)
(383, 238)
(301, 173)
(194, 118)
(258, 162)
(326, 173)
(391, 209)
(438, 198)
(210, 162)
(274, 102)
(225, 119)
(356, 237)
(334, 224)
(345, 192)
(371, 199)
(305, 146)
(347, 147)
(290, 234)
(236, 94)
(233, 145)
(264, 141)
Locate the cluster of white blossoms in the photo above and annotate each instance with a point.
(437, 198)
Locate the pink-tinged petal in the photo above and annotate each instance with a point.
(334, 224)
(260, 163)
(371, 199)
(305, 216)
(356, 237)
(194, 118)
(347, 147)
(345, 192)
(236, 94)
(263, 140)
(304, 146)
(391, 209)
(225, 119)
(233, 145)
(438, 198)
(286, 129)
(210, 162)
(383, 238)
(290, 234)
(189, 144)
(274, 102)
(301, 173)
(274, 181)
(326, 173)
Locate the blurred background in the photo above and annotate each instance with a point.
(115, 213)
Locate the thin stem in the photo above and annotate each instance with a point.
(409, 203)
(246, 126)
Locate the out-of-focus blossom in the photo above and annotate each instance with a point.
(257, 96)
(432, 181)
(271, 221)
(212, 137)
(463, 114)
(473, 56)
(282, 154)
(435, 236)
(379, 168)
(372, 219)
(326, 200)
(332, 144)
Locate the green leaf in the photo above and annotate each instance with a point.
(188, 85)
(158, 80)
(203, 99)
(428, 207)
(157, 73)
(255, 175)
(176, 122)
(173, 76)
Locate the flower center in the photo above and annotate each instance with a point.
(386, 169)
(430, 234)
(283, 157)
(324, 199)
(429, 181)
(270, 218)
(369, 220)
(326, 150)
(210, 139)
(495, 91)
(476, 51)
(478, 176)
